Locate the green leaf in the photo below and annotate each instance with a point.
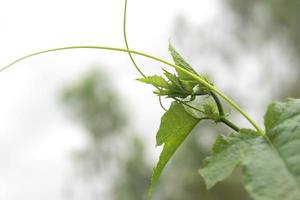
(273, 114)
(178, 60)
(156, 81)
(228, 152)
(210, 109)
(173, 79)
(176, 124)
(189, 85)
(271, 163)
(272, 169)
(267, 174)
(171, 93)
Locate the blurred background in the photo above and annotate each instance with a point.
(76, 125)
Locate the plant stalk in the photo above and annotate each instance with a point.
(230, 124)
(219, 104)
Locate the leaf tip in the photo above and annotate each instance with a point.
(208, 184)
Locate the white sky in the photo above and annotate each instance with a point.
(36, 138)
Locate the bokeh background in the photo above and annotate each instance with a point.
(76, 125)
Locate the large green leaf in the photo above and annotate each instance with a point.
(272, 168)
(176, 124)
(271, 163)
(228, 152)
(267, 174)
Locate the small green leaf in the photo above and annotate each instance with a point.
(176, 124)
(200, 90)
(189, 85)
(171, 93)
(210, 109)
(173, 79)
(156, 81)
(178, 60)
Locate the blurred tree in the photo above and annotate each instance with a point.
(274, 20)
(263, 33)
(135, 173)
(93, 97)
(271, 18)
(112, 152)
(94, 104)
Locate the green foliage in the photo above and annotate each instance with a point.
(156, 81)
(210, 110)
(178, 60)
(182, 116)
(95, 104)
(228, 152)
(246, 148)
(270, 163)
(177, 85)
(181, 180)
(273, 114)
(175, 126)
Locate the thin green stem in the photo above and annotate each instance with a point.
(219, 104)
(126, 42)
(222, 113)
(130, 56)
(161, 104)
(198, 78)
(230, 124)
(188, 105)
(222, 119)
